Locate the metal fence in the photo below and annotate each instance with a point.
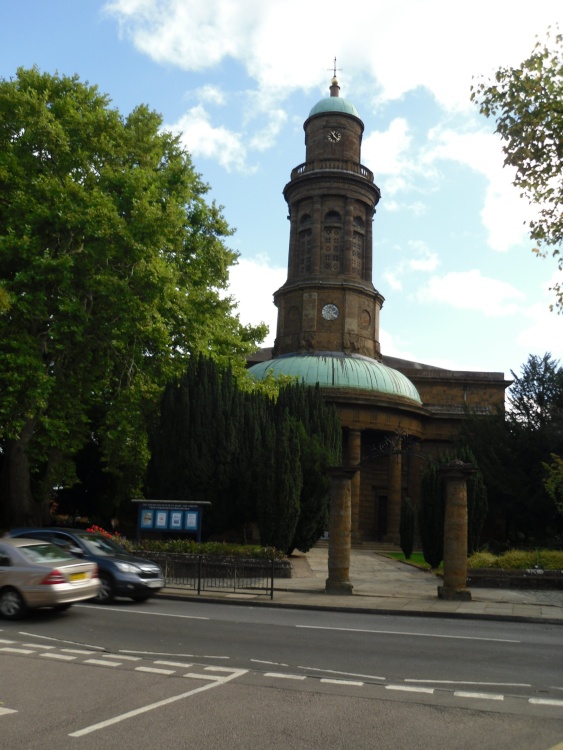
(201, 573)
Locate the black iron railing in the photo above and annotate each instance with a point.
(203, 573)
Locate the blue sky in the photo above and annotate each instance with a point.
(238, 78)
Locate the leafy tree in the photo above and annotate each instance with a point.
(512, 449)
(278, 513)
(113, 265)
(526, 103)
(406, 527)
(554, 480)
(431, 514)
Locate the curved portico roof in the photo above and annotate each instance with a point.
(338, 370)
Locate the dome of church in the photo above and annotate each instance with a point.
(337, 370)
(334, 104)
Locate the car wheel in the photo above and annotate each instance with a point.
(12, 605)
(61, 607)
(105, 594)
(141, 597)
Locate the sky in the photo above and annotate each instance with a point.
(237, 78)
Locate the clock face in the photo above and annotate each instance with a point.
(334, 136)
(330, 312)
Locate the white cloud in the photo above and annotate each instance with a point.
(422, 260)
(201, 138)
(211, 94)
(435, 44)
(252, 283)
(505, 215)
(469, 290)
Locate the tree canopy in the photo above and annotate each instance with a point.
(113, 271)
(515, 450)
(527, 103)
(256, 457)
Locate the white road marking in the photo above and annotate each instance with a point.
(158, 704)
(200, 676)
(102, 663)
(60, 640)
(122, 657)
(410, 689)
(3, 640)
(13, 650)
(5, 711)
(419, 635)
(184, 656)
(271, 663)
(37, 645)
(283, 676)
(154, 670)
(545, 702)
(78, 651)
(466, 682)
(343, 674)
(341, 682)
(140, 612)
(61, 657)
(173, 664)
(481, 696)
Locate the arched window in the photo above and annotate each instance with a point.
(358, 245)
(332, 243)
(305, 244)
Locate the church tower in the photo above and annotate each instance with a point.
(328, 303)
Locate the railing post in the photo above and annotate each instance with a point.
(199, 565)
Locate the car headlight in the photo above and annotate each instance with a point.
(127, 567)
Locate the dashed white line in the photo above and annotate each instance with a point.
(122, 657)
(174, 664)
(5, 711)
(154, 670)
(545, 702)
(13, 650)
(341, 682)
(467, 682)
(480, 696)
(102, 663)
(410, 689)
(60, 657)
(283, 676)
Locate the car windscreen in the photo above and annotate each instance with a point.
(44, 553)
(100, 545)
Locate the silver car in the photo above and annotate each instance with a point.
(40, 574)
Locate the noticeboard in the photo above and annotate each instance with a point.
(167, 516)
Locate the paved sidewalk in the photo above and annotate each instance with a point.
(385, 586)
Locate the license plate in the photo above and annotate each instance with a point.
(77, 576)
(154, 584)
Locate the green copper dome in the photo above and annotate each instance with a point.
(337, 370)
(334, 104)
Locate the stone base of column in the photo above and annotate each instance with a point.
(338, 587)
(451, 594)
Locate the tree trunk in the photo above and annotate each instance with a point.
(18, 507)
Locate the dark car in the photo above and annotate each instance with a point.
(121, 574)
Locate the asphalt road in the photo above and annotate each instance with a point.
(191, 674)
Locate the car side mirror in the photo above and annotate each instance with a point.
(77, 551)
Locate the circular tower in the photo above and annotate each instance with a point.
(328, 303)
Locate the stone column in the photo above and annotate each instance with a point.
(339, 531)
(354, 456)
(393, 499)
(455, 475)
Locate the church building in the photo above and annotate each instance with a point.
(395, 414)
